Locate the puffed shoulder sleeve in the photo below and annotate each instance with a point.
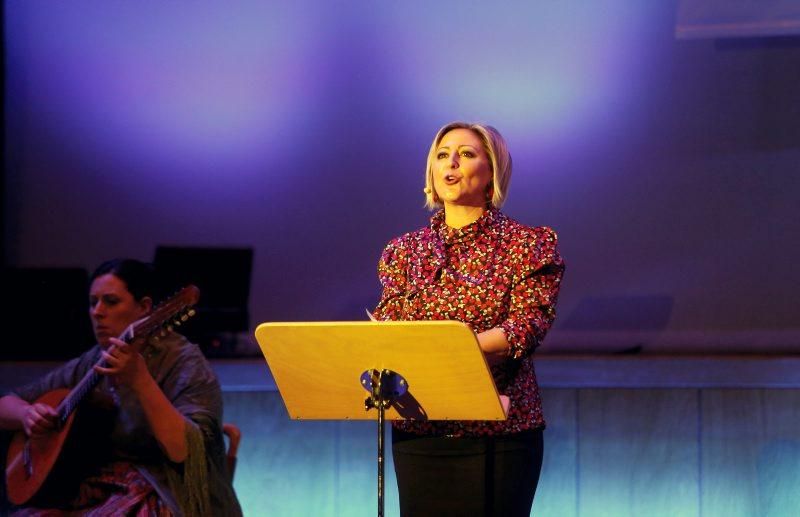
(536, 282)
(392, 273)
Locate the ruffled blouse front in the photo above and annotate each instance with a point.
(492, 273)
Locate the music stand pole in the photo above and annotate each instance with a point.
(384, 387)
(381, 411)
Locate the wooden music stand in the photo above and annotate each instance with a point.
(431, 370)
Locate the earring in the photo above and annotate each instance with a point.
(429, 191)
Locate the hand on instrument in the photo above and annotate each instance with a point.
(39, 419)
(124, 365)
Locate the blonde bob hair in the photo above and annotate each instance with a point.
(499, 160)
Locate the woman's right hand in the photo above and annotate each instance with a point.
(39, 419)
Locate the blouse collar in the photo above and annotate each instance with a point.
(466, 233)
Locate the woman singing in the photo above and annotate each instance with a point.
(476, 265)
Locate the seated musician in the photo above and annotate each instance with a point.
(149, 433)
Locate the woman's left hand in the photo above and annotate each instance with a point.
(494, 345)
(124, 365)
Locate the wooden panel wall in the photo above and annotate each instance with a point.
(609, 452)
(751, 452)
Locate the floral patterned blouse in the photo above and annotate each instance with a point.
(492, 273)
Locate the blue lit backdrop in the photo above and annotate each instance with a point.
(302, 129)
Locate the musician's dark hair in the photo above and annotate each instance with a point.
(139, 277)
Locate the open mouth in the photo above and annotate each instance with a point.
(451, 179)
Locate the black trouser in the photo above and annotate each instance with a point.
(465, 477)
